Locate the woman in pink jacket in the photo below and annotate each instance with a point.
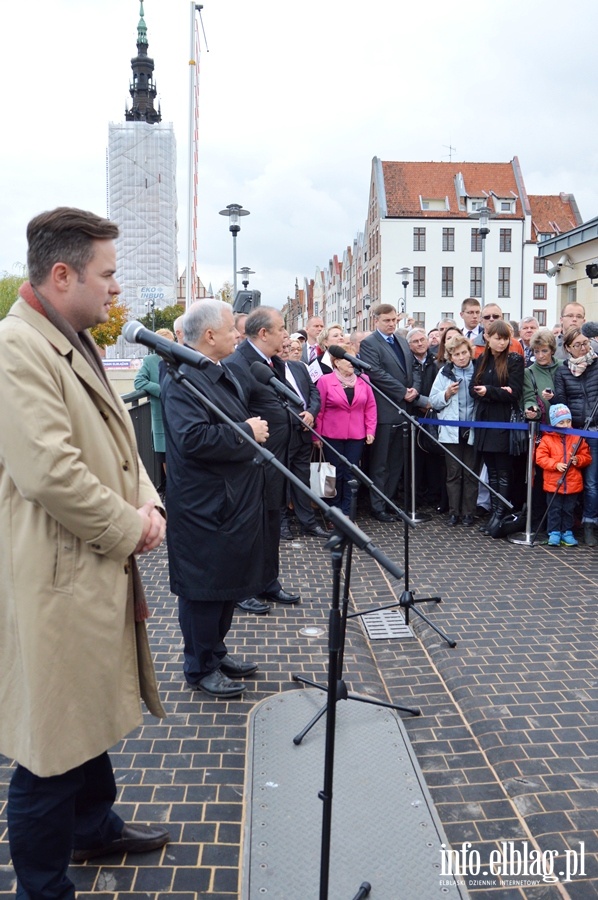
(347, 420)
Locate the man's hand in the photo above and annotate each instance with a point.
(410, 394)
(259, 427)
(154, 528)
(307, 418)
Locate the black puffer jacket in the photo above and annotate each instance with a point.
(579, 394)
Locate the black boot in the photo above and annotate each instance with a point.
(504, 488)
(495, 505)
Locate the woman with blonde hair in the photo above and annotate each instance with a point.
(451, 398)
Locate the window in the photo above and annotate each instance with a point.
(539, 264)
(572, 293)
(419, 281)
(504, 281)
(476, 242)
(540, 315)
(539, 292)
(505, 240)
(419, 238)
(447, 315)
(506, 205)
(420, 319)
(447, 281)
(475, 281)
(448, 239)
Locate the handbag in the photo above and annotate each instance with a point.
(423, 441)
(518, 437)
(322, 477)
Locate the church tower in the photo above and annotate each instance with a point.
(142, 194)
(142, 88)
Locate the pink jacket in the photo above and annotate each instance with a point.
(337, 419)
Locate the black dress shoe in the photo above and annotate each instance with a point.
(253, 605)
(280, 596)
(236, 668)
(316, 531)
(217, 684)
(453, 520)
(286, 534)
(384, 517)
(468, 521)
(133, 839)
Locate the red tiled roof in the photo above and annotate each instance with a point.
(553, 214)
(405, 182)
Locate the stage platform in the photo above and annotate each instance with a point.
(384, 827)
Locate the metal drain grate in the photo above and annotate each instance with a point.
(385, 624)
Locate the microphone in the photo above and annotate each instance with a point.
(339, 353)
(135, 333)
(265, 375)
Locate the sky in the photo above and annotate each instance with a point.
(295, 101)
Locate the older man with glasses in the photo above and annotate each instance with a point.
(490, 314)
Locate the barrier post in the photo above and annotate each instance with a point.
(524, 538)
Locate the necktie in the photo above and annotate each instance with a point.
(270, 363)
(312, 353)
(469, 334)
(390, 339)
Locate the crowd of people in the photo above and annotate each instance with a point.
(485, 370)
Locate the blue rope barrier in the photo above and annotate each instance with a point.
(511, 426)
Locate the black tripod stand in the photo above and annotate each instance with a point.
(337, 642)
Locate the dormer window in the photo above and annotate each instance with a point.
(475, 205)
(504, 206)
(432, 203)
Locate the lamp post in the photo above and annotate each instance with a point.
(483, 215)
(245, 271)
(405, 274)
(367, 302)
(151, 307)
(234, 211)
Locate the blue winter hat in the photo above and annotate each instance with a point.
(558, 413)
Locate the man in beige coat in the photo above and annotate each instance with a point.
(75, 507)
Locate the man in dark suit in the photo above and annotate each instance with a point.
(392, 372)
(311, 348)
(264, 329)
(298, 378)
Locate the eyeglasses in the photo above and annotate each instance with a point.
(493, 316)
(580, 346)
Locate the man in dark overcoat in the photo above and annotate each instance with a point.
(264, 329)
(214, 501)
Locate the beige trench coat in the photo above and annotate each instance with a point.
(73, 662)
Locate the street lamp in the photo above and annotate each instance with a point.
(405, 274)
(234, 211)
(151, 307)
(245, 271)
(483, 215)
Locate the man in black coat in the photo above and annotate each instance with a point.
(264, 329)
(214, 501)
(392, 371)
(298, 378)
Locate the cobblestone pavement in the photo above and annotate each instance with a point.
(507, 738)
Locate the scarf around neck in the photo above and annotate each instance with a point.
(579, 365)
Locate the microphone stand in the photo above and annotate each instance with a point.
(346, 530)
(408, 600)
